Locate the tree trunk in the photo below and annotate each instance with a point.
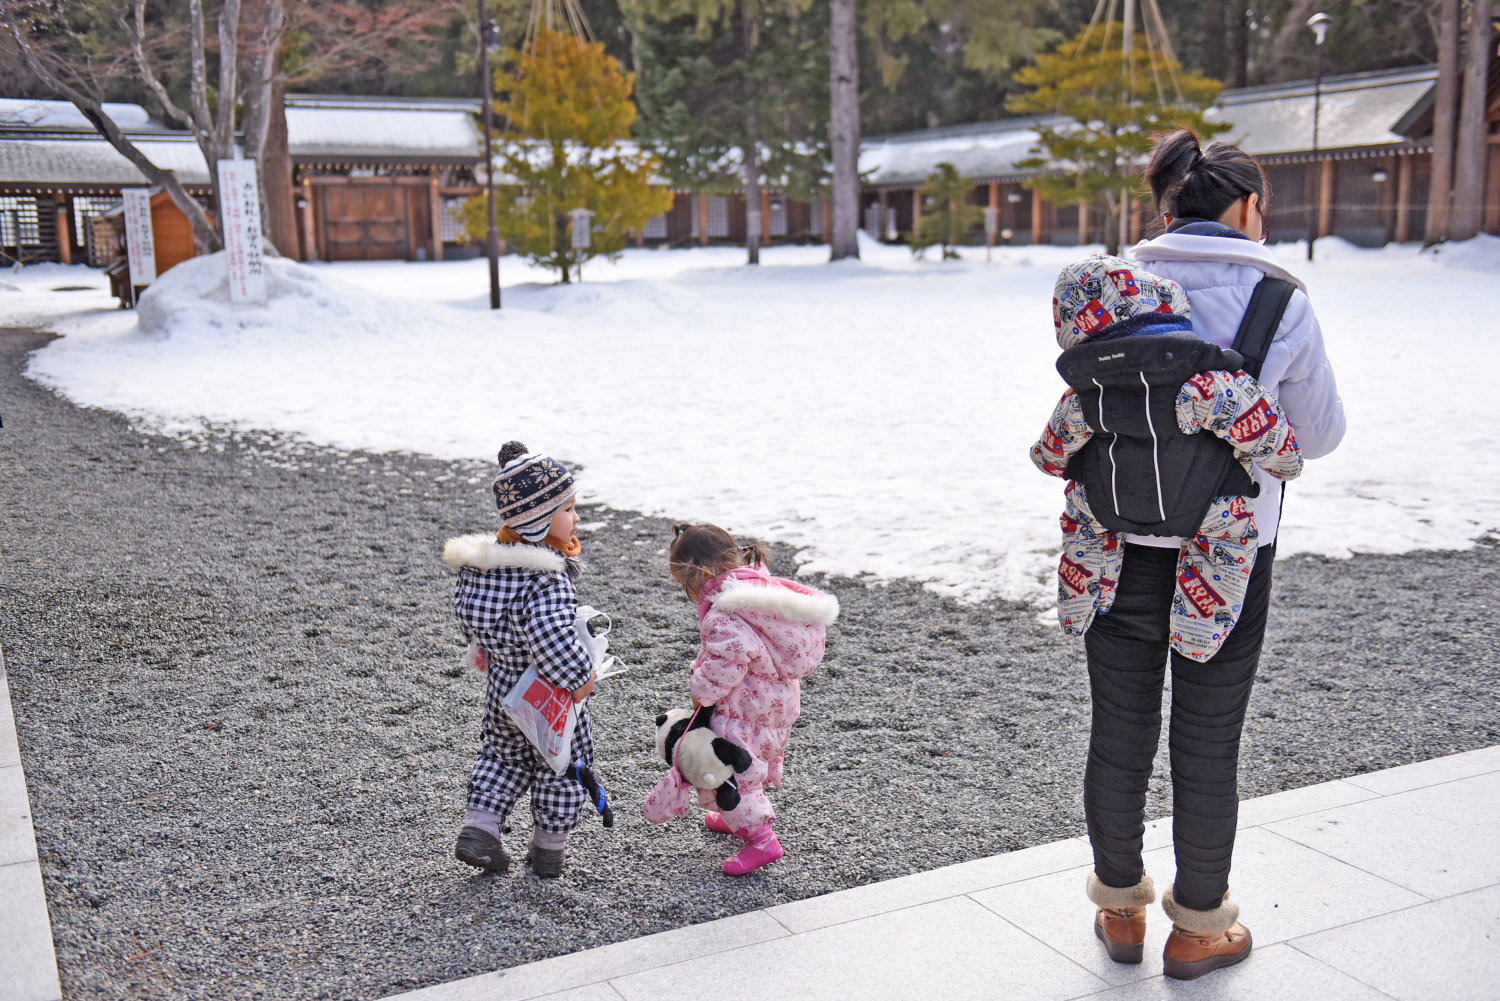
(264, 97)
(752, 198)
(843, 129)
(1469, 159)
(1444, 105)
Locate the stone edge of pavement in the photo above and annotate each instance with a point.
(28, 962)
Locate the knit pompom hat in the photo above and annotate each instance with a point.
(1099, 290)
(529, 490)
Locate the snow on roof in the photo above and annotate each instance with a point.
(94, 161)
(986, 150)
(1360, 109)
(62, 116)
(390, 128)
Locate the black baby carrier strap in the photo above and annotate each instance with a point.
(1258, 326)
(1140, 473)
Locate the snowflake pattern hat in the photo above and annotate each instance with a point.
(529, 490)
(1099, 290)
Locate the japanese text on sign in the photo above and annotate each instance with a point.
(239, 200)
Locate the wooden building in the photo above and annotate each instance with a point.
(379, 178)
(1367, 182)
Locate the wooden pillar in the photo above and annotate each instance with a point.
(765, 217)
(916, 210)
(1403, 198)
(409, 200)
(1036, 216)
(435, 204)
(64, 230)
(1325, 198)
(702, 220)
(991, 238)
(885, 199)
(310, 241)
(1491, 220)
(1083, 223)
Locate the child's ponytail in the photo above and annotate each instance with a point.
(699, 553)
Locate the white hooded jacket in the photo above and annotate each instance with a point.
(1219, 273)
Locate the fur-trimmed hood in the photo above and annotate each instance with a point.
(482, 552)
(782, 598)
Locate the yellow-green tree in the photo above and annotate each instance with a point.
(566, 108)
(1115, 112)
(947, 215)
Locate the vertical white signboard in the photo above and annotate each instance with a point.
(239, 200)
(140, 246)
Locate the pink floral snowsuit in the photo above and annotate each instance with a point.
(761, 636)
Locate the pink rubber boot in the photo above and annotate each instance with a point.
(760, 849)
(714, 821)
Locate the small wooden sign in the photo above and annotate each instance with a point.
(140, 242)
(240, 201)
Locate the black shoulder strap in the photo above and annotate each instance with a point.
(1262, 317)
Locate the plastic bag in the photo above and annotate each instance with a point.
(595, 640)
(547, 716)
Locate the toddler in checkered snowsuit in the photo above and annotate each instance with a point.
(1101, 299)
(517, 606)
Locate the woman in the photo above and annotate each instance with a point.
(1212, 202)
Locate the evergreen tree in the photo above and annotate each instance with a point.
(947, 215)
(733, 95)
(566, 107)
(1114, 110)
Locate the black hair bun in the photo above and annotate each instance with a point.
(511, 451)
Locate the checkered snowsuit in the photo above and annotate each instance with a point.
(519, 603)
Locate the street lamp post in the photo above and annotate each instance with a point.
(1319, 24)
(489, 41)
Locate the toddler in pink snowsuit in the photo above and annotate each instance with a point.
(760, 636)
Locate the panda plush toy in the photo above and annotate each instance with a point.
(704, 760)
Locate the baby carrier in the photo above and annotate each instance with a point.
(1140, 472)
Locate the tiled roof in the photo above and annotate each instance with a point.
(382, 127)
(1360, 109)
(985, 150)
(94, 161)
(62, 116)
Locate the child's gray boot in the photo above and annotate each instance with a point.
(547, 851)
(479, 842)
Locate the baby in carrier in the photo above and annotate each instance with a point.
(1136, 461)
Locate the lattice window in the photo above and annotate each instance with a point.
(718, 217)
(872, 221)
(451, 224)
(19, 223)
(656, 227)
(815, 222)
(778, 218)
(85, 207)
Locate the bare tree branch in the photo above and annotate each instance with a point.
(199, 83)
(229, 33)
(148, 74)
(203, 230)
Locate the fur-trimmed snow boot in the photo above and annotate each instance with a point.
(1203, 941)
(1120, 921)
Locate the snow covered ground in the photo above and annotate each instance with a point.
(875, 414)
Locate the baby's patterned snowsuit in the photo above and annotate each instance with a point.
(518, 602)
(761, 635)
(1214, 566)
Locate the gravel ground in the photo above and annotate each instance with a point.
(246, 733)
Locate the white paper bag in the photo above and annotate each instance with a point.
(597, 643)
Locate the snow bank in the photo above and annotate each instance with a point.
(875, 414)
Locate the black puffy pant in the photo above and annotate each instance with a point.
(1128, 655)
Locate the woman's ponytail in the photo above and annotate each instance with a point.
(1187, 180)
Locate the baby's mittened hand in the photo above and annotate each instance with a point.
(476, 658)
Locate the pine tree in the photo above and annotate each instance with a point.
(567, 108)
(1114, 114)
(947, 215)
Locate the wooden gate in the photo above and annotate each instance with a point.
(366, 222)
